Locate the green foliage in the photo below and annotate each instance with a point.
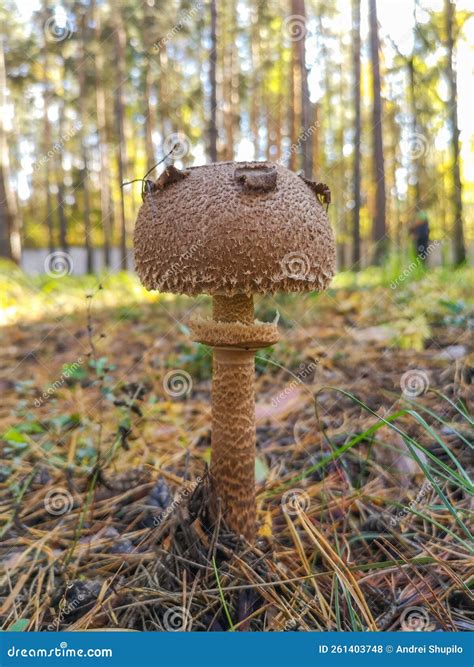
(195, 358)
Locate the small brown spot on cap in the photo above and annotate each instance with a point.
(170, 175)
(256, 176)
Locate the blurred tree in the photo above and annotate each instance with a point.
(305, 116)
(106, 207)
(47, 140)
(9, 232)
(121, 77)
(379, 232)
(452, 109)
(83, 114)
(357, 133)
(59, 172)
(213, 85)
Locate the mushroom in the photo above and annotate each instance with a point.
(232, 230)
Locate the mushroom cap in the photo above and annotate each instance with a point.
(233, 228)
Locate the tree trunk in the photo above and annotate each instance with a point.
(149, 34)
(415, 168)
(293, 110)
(46, 143)
(63, 225)
(379, 225)
(213, 84)
(104, 176)
(357, 133)
(83, 92)
(452, 106)
(255, 91)
(147, 91)
(9, 233)
(119, 36)
(306, 130)
(227, 34)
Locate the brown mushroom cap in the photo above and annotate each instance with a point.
(233, 228)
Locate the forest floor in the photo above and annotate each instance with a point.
(364, 449)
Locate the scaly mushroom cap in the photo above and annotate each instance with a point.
(233, 228)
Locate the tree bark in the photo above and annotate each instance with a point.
(119, 36)
(305, 138)
(213, 85)
(83, 92)
(104, 176)
(293, 110)
(357, 133)
(379, 231)
(9, 233)
(415, 169)
(147, 90)
(63, 225)
(148, 80)
(227, 34)
(46, 143)
(452, 106)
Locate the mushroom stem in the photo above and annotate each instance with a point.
(233, 439)
(238, 308)
(233, 423)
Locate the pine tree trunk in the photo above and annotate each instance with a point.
(415, 162)
(305, 129)
(228, 38)
(255, 90)
(213, 85)
(6, 204)
(119, 37)
(379, 231)
(357, 133)
(46, 142)
(61, 204)
(104, 176)
(452, 106)
(149, 31)
(83, 90)
(293, 111)
(147, 91)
